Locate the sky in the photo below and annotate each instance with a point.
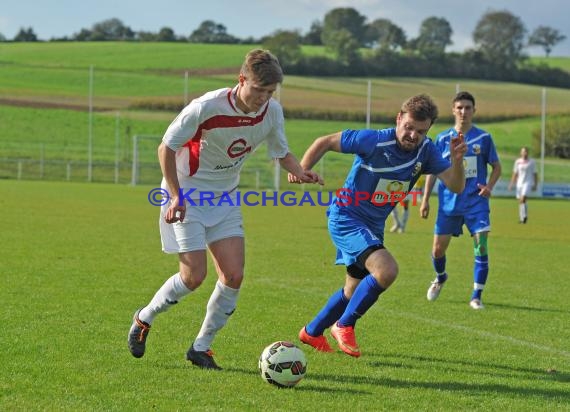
(256, 18)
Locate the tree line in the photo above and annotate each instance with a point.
(377, 48)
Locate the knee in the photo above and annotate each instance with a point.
(390, 275)
(387, 275)
(232, 279)
(438, 251)
(192, 278)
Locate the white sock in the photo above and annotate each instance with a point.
(221, 305)
(405, 216)
(169, 294)
(396, 217)
(522, 211)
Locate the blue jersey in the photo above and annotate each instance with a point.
(381, 174)
(480, 152)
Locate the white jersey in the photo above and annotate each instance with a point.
(212, 138)
(525, 171)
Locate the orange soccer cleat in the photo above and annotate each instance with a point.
(320, 343)
(344, 335)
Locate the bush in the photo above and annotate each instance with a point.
(557, 138)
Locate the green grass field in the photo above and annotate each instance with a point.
(62, 135)
(78, 259)
(559, 62)
(126, 74)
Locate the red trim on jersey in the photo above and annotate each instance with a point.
(215, 122)
(230, 99)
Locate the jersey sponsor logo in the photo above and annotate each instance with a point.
(470, 165)
(392, 191)
(238, 148)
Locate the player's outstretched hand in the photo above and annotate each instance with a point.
(308, 177)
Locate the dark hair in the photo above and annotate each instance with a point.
(420, 107)
(464, 96)
(263, 67)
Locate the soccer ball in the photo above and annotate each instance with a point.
(282, 364)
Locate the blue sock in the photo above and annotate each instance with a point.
(365, 295)
(329, 314)
(439, 266)
(480, 272)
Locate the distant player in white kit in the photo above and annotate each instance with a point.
(524, 174)
(201, 155)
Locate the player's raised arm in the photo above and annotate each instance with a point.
(316, 151)
(298, 174)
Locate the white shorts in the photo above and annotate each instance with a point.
(523, 190)
(202, 225)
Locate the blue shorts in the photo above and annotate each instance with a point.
(452, 225)
(351, 237)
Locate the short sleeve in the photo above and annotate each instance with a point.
(183, 127)
(277, 146)
(435, 162)
(361, 142)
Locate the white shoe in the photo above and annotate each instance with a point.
(476, 304)
(434, 290)
(394, 228)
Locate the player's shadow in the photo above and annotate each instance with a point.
(309, 383)
(516, 307)
(528, 308)
(482, 388)
(474, 367)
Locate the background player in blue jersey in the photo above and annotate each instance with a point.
(471, 207)
(387, 164)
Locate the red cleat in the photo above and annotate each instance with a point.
(320, 343)
(344, 335)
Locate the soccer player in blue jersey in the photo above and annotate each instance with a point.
(387, 164)
(469, 208)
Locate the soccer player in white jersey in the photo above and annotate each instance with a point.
(525, 176)
(387, 164)
(201, 155)
(471, 207)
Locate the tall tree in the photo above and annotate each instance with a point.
(111, 29)
(384, 34)
(26, 35)
(211, 32)
(345, 46)
(545, 37)
(166, 34)
(314, 35)
(347, 19)
(435, 36)
(499, 35)
(286, 45)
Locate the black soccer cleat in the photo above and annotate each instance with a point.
(137, 336)
(204, 360)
